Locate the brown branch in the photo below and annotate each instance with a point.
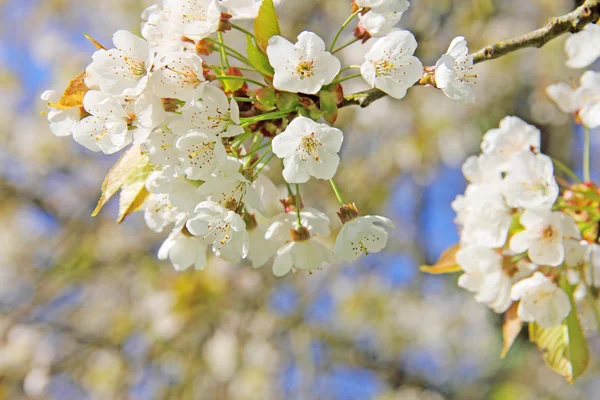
(573, 22)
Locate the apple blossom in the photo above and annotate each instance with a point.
(214, 114)
(583, 48)
(541, 301)
(390, 65)
(485, 277)
(361, 236)
(529, 181)
(180, 76)
(183, 250)
(454, 72)
(195, 19)
(543, 236)
(308, 149)
(201, 154)
(125, 69)
(222, 228)
(61, 122)
(513, 135)
(377, 24)
(303, 67)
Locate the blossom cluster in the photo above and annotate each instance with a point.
(202, 134)
(518, 237)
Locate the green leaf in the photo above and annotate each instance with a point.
(257, 58)
(564, 347)
(579, 353)
(266, 24)
(120, 174)
(328, 104)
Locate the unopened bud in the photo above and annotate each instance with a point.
(348, 212)
(224, 24)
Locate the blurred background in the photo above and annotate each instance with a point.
(88, 312)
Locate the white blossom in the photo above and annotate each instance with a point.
(378, 24)
(183, 250)
(543, 236)
(583, 48)
(261, 249)
(222, 228)
(454, 72)
(158, 212)
(308, 149)
(513, 135)
(303, 67)
(214, 114)
(589, 93)
(484, 216)
(384, 5)
(195, 19)
(529, 181)
(541, 301)
(180, 76)
(361, 236)
(61, 122)
(201, 154)
(565, 97)
(485, 277)
(244, 9)
(125, 69)
(390, 65)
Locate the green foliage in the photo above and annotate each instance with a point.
(266, 24)
(328, 104)
(257, 58)
(564, 347)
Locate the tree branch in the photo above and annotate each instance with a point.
(573, 22)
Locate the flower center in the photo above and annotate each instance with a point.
(309, 145)
(137, 68)
(305, 68)
(383, 67)
(549, 233)
(188, 76)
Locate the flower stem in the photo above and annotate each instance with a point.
(265, 164)
(337, 192)
(347, 78)
(565, 169)
(222, 53)
(345, 24)
(262, 157)
(342, 47)
(346, 68)
(239, 28)
(265, 117)
(234, 53)
(261, 147)
(239, 78)
(586, 154)
(298, 202)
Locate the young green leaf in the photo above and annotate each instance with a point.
(579, 353)
(133, 191)
(73, 95)
(266, 24)
(257, 58)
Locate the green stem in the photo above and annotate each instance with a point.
(244, 99)
(261, 147)
(337, 192)
(586, 155)
(239, 78)
(265, 117)
(345, 45)
(239, 28)
(347, 78)
(344, 25)
(565, 169)
(298, 202)
(265, 164)
(222, 54)
(262, 157)
(349, 67)
(234, 53)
